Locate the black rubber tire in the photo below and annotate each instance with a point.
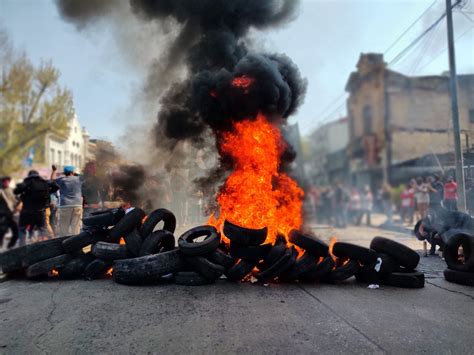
(303, 264)
(12, 260)
(155, 217)
(160, 240)
(148, 268)
(240, 270)
(309, 243)
(451, 252)
(126, 225)
(191, 278)
(97, 269)
(104, 219)
(367, 274)
(341, 273)
(208, 245)
(75, 268)
(86, 237)
(220, 257)
(322, 269)
(459, 277)
(402, 254)
(134, 242)
(251, 253)
(411, 279)
(43, 250)
(278, 250)
(43, 267)
(387, 265)
(244, 236)
(355, 252)
(276, 268)
(205, 267)
(416, 231)
(110, 251)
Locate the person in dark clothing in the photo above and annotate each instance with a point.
(8, 204)
(93, 192)
(436, 191)
(34, 193)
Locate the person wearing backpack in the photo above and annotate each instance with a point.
(34, 193)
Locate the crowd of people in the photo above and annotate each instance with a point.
(339, 205)
(42, 209)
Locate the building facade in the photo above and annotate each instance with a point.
(396, 120)
(327, 155)
(69, 150)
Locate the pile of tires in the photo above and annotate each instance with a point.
(459, 256)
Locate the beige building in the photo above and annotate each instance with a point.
(395, 120)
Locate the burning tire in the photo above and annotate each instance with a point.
(43, 250)
(97, 269)
(206, 268)
(277, 251)
(244, 236)
(208, 245)
(251, 253)
(302, 265)
(407, 279)
(155, 217)
(221, 258)
(274, 270)
(343, 272)
(459, 277)
(355, 252)
(148, 268)
(321, 270)
(110, 251)
(127, 224)
(191, 278)
(156, 241)
(45, 266)
(451, 253)
(402, 254)
(76, 267)
(241, 269)
(104, 219)
(83, 239)
(134, 242)
(309, 243)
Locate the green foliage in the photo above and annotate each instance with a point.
(32, 104)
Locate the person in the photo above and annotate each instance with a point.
(407, 198)
(8, 205)
(92, 190)
(354, 206)
(34, 193)
(436, 191)
(387, 202)
(422, 198)
(367, 202)
(341, 200)
(451, 194)
(70, 201)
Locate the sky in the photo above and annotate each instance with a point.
(325, 41)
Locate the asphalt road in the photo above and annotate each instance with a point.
(63, 317)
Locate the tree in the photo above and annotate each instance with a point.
(32, 104)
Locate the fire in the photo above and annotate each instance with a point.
(256, 194)
(53, 273)
(108, 274)
(122, 241)
(243, 82)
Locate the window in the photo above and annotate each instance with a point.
(51, 156)
(367, 116)
(60, 158)
(471, 115)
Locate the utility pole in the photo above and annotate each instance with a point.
(454, 110)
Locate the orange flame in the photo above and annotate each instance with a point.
(256, 194)
(53, 273)
(122, 241)
(243, 81)
(108, 274)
